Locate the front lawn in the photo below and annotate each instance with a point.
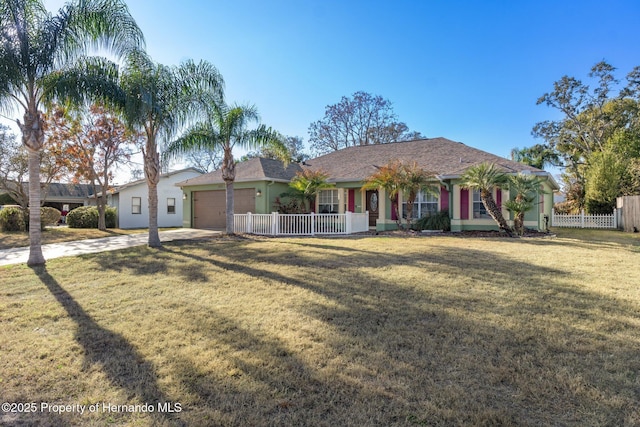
(374, 331)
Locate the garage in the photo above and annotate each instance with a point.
(209, 207)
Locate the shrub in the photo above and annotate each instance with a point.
(292, 206)
(598, 207)
(49, 216)
(12, 219)
(438, 221)
(87, 217)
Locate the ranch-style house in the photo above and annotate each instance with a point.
(259, 182)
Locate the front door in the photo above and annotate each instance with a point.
(372, 206)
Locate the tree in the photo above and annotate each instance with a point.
(388, 178)
(158, 101)
(204, 160)
(413, 181)
(227, 127)
(94, 143)
(294, 144)
(524, 189)
(594, 120)
(397, 177)
(483, 178)
(539, 156)
(14, 166)
(42, 57)
(603, 180)
(306, 185)
(363, 119)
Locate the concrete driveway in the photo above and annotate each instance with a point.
(103, 244)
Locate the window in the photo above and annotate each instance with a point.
(478, 207)
(171, 205)
(328, 201)
(425, 204)
(136, 205)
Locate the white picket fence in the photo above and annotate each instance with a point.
(585, 221)
(276, 224)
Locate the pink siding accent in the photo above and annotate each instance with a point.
(464, 203)
(352, 201)
(394, 203)
(444, 199)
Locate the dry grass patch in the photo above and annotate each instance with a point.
(350, 332)
(17, 239)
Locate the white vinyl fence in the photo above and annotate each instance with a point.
(276, 224)
(585, 221)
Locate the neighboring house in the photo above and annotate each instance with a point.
(260, 181)
(132, 201)
(65, 196)
(69, 196)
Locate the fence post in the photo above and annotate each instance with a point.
(274, 224)
(615, 218)
(347, 220)
(582, 218)
(313, 223)
(249, 227)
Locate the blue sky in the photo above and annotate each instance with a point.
(470, 71)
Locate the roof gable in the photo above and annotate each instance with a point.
(256, 169)
(163, 176)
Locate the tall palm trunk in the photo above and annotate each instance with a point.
(35, 233)
(229, 203)
(493, 210)
(33, 140)
(152, 173)
(228, 175)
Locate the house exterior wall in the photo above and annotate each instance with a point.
(453, 197)
(269, 191)
(166, 190)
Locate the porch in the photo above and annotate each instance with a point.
(276, 224)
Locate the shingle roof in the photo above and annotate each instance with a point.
(60, 190)
(119, 188)
(440, 156)
(256, 169)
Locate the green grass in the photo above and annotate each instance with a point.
(332, 332)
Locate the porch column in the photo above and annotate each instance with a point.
(455, 214)
(382, 205)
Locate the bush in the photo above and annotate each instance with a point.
(438, 221)
(598, 207)
(87, 217)
(49, 216)
(12, 219)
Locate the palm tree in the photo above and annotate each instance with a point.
(538, 156)
(307, 184)
(226, 127)
(483, 178)
(388, 177)
(41, 58)
(409, 179)
(416, 180)
(525, 188)
(158, 101)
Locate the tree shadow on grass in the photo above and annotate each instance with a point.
(118, 359)
(519, 346)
